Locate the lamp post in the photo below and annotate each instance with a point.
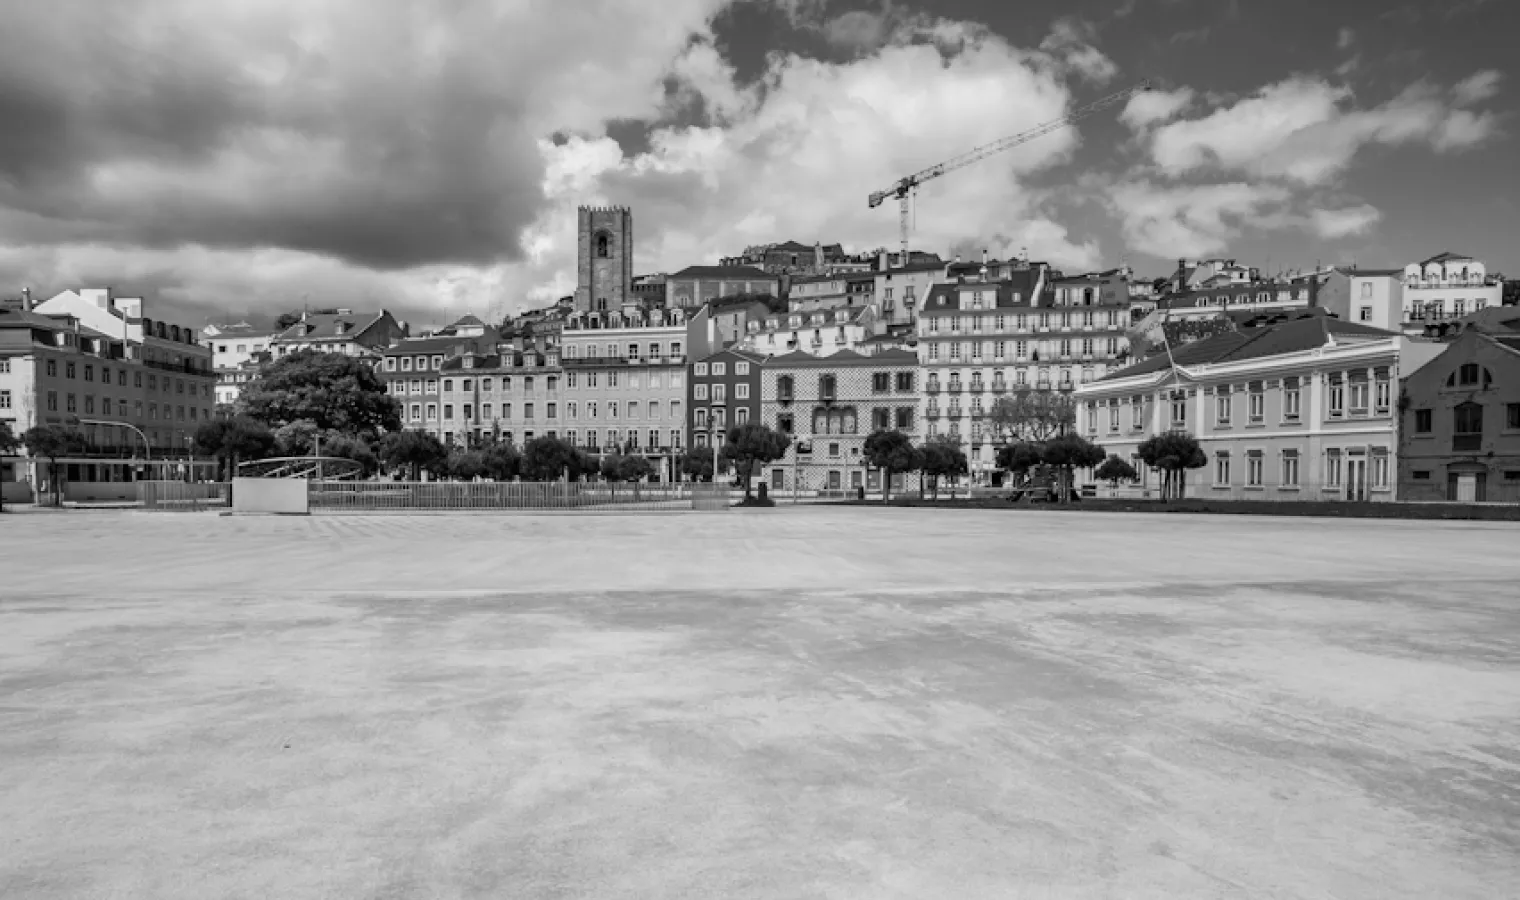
(147, 448)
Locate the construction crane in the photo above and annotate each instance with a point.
(905, 188)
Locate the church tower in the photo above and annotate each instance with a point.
(604, 258)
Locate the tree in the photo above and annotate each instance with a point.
(1031, 415)
(233, 440)
(352, 446)
(416, 450)
(1115, 470)
(1173, 453)
(943, 458)
(891, 452)
(751, 445)
(49, 442)
(549, 459)
(9, 444)
(499, 461)
(629, 467)
(1067, 453)
(1017, 459)
(330, 390)
(288, 319)
(696, 462)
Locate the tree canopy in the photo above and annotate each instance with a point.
(549, 459)
(9, 443)
(233, 440)
(416, 450)
(1018, 458)
(1173, 453)
(753, 444)
(1068, 452)
(1114, 470)
(696, 462)
(1031, 415)
(330, 390)
(891, 452)
(50, 442)
(942, 457)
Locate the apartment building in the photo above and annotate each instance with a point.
(830, 405)
(1302, 409)
(625, 381)
(422, 373)
(136, 389)
(1035, 329)
(724, 391)
(697, 285)
(1445, 287)
(238, 351)
(819, 332)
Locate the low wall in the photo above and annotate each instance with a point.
(16, 491)
(100, 492)
(271, 496)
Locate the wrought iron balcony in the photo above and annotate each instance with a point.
(977, 387)
(999, 387)
(931, 388)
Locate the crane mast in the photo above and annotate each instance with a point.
(904, 189)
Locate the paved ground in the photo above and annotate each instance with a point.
(794, 703)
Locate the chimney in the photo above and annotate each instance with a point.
(984, 257)
(957, 257)
(26, 299)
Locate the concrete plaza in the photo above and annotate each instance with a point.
(792, 703)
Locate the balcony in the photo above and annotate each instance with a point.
(954, 387)
(931, 388)
(977, 387)
(999, 387)
(931, 411)
(1042, 384)
(1466, 443)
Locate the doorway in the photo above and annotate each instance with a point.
(1466, 487)
(1356, 479)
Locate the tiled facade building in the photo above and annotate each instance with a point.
(1303, 409)
(830, 405)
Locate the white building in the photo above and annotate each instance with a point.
(818, 333)
(236, 353)
(1447, 286)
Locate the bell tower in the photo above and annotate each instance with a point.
(604, 258)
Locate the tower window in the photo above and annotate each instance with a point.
(603, 246)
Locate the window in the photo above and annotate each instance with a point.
(1137, 413)
(784, 388)
(1466, 375)
(881, 382)
(1422, 421)
(68, 370)
(448, 411)
(1222, 406)
(1337, 395)
(1364, 314)
(719, 369)
(1467, 430)
(1291, 399)
(699, 391)
(527, 410)
(1382, 391)
(741, 392)
(1113, 417)
(1179, 410)
(5, 399)
(1290, 468)
(1512, 415)
(700, 370)
(826, 387)
(904, 416)
(1253, 468)
(52, 368)
(1256, 409)
(785, 423)
(485, 411)
(432, 411)
(72, 404)
(905, 381)
(1332, 468)
(551, 410)
(1379, 467)
(416, 411)
(833, 451)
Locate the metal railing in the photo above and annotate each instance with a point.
(1201, 487)
(455, 496)
(183, 496)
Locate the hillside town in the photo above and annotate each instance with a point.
(1358, 384)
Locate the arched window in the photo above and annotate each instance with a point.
(603, 246)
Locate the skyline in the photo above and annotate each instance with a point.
(228, 162)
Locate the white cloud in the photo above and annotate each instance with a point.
(1477, 88)
(1345, 39)
(1193, 220)
(1339, 223)
(1155, 106)
(1071, 41)
(1300, 130)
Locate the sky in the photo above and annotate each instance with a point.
(248, 157)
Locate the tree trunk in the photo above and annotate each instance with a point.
(886, 485)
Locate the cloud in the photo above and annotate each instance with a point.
(1345, 39)
(1193, 220)
(1339, 223)
(1071, 41)
(1155, 106)
(388, 138)
(1477, 88)
(1301, 131)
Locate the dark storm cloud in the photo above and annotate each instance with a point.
(385, 135)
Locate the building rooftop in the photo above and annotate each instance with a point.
(1447, 256)
(344, 325)
(738, 273)
(798, 360)
(1293, 336)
